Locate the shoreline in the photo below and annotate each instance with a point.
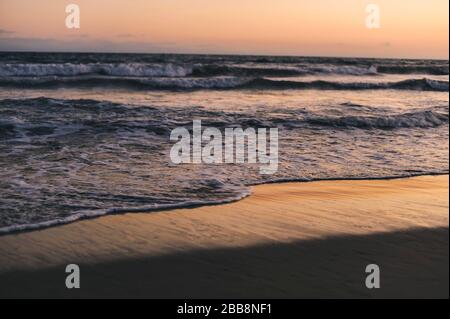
(288, 239)
(25, 228)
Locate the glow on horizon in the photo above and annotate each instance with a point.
(410, 29)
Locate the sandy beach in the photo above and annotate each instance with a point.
(285, 240)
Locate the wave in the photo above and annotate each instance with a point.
(424, 118)
(109, 69)
(83, 215)
(144, 70)
(218, 83)
(413, 69)
(165, 119)
(275, 70)
(418, 119)
(180, 69)
(7, 130)
(412, 84)
(127, 83)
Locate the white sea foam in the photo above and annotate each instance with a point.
(71, 69)
(80, 215)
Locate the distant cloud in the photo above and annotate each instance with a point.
(125, 35)
(84, 44)
(81, 36)
(5, 32)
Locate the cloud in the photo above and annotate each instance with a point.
(81, 36)
(5, 32)
(84, 44)
(125, 35)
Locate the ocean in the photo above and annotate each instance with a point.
(83, 135)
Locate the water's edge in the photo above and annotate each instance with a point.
(86, 215)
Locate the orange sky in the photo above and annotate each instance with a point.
(409, 28)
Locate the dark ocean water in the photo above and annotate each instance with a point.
(88, 134)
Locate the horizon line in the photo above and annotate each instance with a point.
(225, 54)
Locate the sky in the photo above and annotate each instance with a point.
(408, 28)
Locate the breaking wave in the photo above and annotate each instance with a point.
(109, 69)
(160, 121)
(413, 69)
(412, 84)
(419, 119)
(145, 70)
(218, 83)
(173, 70)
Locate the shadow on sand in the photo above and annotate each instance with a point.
(413, 263)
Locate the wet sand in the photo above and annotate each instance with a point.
(285, 240)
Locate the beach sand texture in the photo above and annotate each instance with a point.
(285, 240)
